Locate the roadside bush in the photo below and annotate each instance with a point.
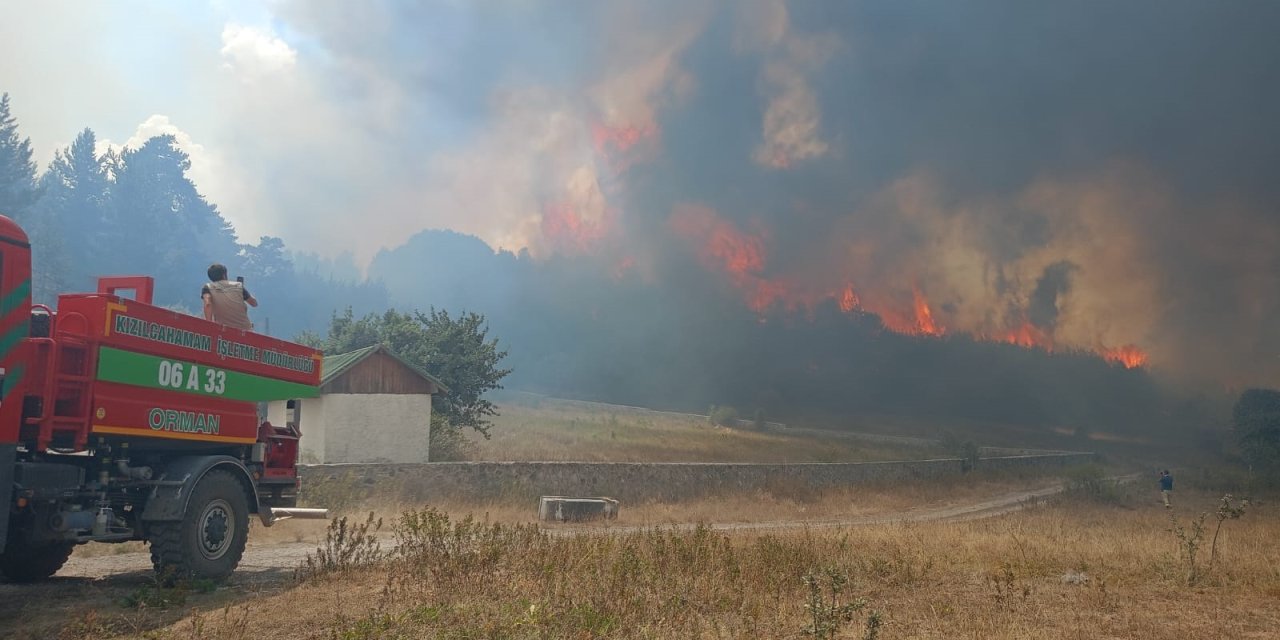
(346, 547)
(463, 552)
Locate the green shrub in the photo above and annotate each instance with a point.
(346, 548)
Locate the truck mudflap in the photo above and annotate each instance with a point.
(169, 497)
(8, 456)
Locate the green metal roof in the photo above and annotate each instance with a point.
(335, 365)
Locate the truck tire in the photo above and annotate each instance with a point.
(22, 562)
(209, 540)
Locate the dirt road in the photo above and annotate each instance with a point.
(265, 562)
(90, 589)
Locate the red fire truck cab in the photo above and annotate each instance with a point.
(120, 420)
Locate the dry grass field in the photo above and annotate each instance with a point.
(536, 428)
(796, 504)
(1080, 566)
(1098, 562)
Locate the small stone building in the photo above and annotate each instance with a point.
(373, 407)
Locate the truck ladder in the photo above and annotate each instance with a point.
(64, 412)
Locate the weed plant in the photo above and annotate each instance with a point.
(1072, 569)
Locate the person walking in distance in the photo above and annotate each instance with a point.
(1166, 487)
(226, 302)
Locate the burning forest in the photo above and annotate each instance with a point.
(793, 186)
(649, 198)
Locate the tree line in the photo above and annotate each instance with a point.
(136, 211)
(571, 326)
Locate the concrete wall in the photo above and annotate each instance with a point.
(632, 482)
(363, 428)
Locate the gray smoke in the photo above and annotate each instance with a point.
(1042, 310)
(1100, 169)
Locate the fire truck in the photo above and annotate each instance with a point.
(121, 420)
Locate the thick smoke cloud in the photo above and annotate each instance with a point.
(1056, 281)
(907, 149)
(1075, 176)
(1083, 175)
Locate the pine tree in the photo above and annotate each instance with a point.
(18, 191)
(71, 219)
(167, 226)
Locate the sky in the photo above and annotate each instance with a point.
(1090, 174)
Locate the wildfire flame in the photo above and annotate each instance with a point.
(1129, 355)
(849, 300)
(616, 146)
(1028, 336)
(723, 247)
(914, 320)
(619, 138)
(569, 229)
(924, 317)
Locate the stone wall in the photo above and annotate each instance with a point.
(638, 482)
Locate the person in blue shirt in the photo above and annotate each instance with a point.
(1166, 486)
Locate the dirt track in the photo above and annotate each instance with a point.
(264, 562)
(87, 585)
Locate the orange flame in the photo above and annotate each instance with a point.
(1027, 335)
(619, 138)
(1129, 355)
(849, 300)
(924, 317)
(616, 145)
(723, 245)
(568, 229)
(914, 321)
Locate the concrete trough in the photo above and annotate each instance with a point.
(564, 509)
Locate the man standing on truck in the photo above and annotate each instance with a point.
(227, 302)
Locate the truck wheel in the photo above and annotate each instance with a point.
(22, 562)
(209, 540)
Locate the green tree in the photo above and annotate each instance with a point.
(347, 333)
(20, 199)
(18, 189)
(164, 224)
(76, 191)
(1256, 418)
(457, 350)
